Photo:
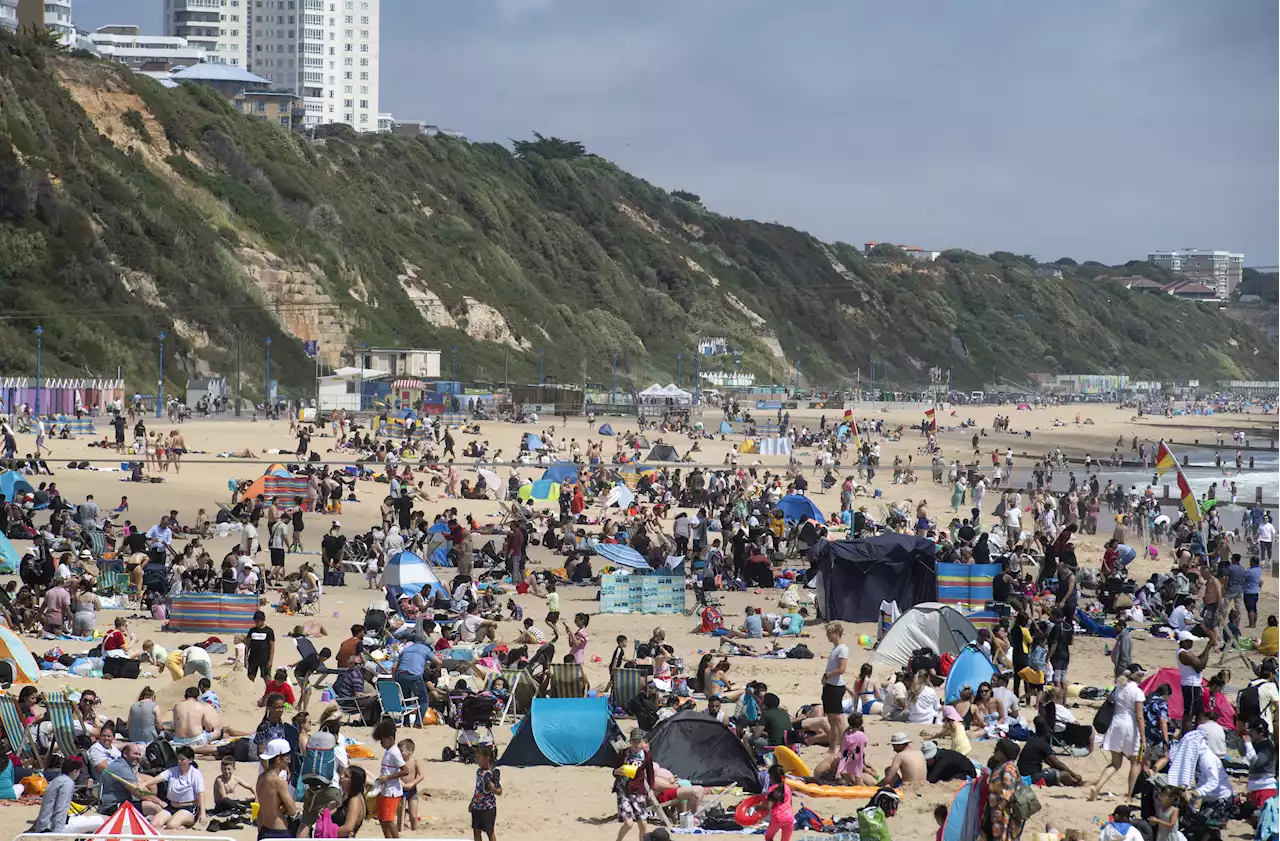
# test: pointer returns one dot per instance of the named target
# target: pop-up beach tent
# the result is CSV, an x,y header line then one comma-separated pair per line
x,y
532,442
797,508
13,484
9,556
695,747
726,428
543,491
408,574
564,731
931,625
22,666
855,576
606,429
663,452
971,669
560,472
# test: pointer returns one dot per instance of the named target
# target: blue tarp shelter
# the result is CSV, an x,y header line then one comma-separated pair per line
x,y
13,483
564,731
798,508
622,556
560,472
606,429
970,669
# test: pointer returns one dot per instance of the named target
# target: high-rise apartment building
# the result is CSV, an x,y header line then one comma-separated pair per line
x,y
1219,270
54,15
126,44
219,27
325,51
9,15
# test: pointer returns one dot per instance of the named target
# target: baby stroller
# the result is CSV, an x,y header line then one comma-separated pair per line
x,y
473,716
375,625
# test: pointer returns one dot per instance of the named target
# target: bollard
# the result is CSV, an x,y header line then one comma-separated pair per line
x,y
1257,495
1186,461
1166,491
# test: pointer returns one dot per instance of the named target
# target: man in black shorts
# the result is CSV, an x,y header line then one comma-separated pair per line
x,y
120,424
260,652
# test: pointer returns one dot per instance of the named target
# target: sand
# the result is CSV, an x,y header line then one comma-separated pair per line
x,y
546,803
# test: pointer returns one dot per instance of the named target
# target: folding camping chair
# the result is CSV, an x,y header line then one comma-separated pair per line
x,y
516,679
566,680
627,684
15,731
395,704
95,540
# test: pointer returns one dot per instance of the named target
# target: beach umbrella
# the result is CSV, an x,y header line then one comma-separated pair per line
x,y
127,821
621,555
25,669
493,481
798,507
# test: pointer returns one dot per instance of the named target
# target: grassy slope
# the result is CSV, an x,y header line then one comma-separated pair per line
x,y
598,259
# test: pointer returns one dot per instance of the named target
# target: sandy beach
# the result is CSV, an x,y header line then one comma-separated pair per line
x,y
541,804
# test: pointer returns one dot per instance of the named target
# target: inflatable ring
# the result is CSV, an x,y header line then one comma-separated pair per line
x,y
790,762
752,810
847,792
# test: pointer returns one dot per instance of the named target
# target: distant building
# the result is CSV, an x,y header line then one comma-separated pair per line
x,y
225,79
127,45
915,252
1182,288
1219,270
1049,271
713,345
730,379
418,128
9,15
331,60
54,15
385,121
403,362
218,27
277,107
206,387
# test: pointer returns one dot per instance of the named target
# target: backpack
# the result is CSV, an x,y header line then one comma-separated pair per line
x,y
1024,803
800,651
1249,702
923,659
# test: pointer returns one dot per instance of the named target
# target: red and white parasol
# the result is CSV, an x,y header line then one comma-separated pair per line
x,y
127,820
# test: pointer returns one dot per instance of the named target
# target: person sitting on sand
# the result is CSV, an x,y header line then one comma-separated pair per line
x,y
908,765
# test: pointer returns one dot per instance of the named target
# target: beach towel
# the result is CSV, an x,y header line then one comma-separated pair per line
x,y
1184,758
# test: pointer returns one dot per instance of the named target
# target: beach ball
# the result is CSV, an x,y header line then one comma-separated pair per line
x,y
864,639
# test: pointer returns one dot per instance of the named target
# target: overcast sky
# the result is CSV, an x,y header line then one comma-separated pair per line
x,y
1089,129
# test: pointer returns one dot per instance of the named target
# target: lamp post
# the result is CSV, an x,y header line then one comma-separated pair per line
x,y
613,387
160,381
697,378
39,348
542,354
680,369
360,396
454,363
266,394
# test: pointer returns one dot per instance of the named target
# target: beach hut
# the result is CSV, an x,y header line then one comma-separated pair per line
x,y
408,574
564,731
15,653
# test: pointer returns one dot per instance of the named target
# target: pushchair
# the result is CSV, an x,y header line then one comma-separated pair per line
x,y
375,625
473,716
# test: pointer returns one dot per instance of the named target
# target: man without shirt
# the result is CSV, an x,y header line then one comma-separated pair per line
x,y
908,765
275,800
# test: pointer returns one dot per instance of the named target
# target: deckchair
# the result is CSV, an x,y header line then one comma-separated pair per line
x,y
62,717
15,731
395,704
566,680
515,679
627,684
112,579
95,540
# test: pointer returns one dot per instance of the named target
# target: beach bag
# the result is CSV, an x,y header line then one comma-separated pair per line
x,y
1024,802
121,667
1102,719
325,827
800,651
873,825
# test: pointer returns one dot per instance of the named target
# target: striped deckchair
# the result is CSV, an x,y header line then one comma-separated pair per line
x,y
627,684
95,540
14,729
62,716
515,679
112,580
566,681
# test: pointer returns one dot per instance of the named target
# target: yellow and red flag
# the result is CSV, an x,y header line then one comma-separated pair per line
x,y
848,414
1164,459
1188,499
933,423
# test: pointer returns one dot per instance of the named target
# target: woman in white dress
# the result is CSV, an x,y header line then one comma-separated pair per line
x,y
1125,737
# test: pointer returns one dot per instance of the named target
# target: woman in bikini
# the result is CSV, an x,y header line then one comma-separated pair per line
x,y
866,693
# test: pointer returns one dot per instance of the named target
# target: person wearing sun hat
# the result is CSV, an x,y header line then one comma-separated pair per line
x,y
908,765
275,799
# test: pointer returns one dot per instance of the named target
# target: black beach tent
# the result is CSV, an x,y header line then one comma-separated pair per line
x,y
855,576
696,747
663,452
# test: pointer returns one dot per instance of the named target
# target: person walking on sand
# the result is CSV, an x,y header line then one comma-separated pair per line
x,y
177,448
833,688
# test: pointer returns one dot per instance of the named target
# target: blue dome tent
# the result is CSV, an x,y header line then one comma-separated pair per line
x,y
407,573
971,668
13,484
560,472
564,731
797,508
606,429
